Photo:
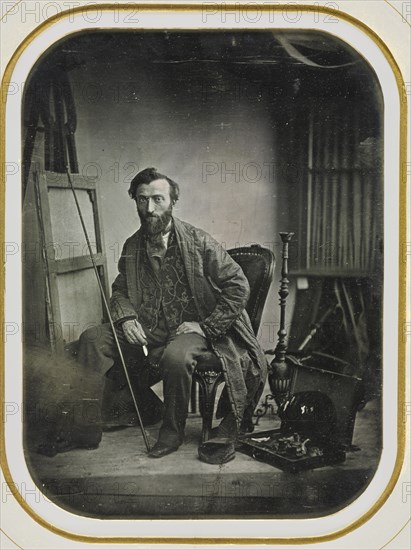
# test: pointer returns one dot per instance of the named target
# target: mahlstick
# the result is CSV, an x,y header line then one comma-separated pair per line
x,y
93,261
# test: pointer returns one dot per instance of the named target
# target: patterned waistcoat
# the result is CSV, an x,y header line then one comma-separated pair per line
x,y
165,291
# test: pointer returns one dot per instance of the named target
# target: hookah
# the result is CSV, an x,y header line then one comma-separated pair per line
x,y
280,374
280,371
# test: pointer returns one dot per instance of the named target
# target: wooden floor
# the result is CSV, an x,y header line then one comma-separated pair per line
x,y
119,480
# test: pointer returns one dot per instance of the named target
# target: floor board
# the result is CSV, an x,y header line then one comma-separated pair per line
x,y
119,480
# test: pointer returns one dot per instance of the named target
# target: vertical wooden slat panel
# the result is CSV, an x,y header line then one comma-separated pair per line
x,y
350,182
310,204
324,188
356,214
334,214
317,192
343,203
344,227
303,178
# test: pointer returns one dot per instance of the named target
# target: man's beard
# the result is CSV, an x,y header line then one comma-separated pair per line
x,y
154,224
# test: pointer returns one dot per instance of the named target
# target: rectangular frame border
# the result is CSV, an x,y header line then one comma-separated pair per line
x,y
401,390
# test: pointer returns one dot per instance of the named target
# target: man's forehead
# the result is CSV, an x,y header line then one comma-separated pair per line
x,y
156,186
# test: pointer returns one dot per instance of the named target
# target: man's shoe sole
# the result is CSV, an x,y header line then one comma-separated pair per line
x,y
217,451
52,449
161,452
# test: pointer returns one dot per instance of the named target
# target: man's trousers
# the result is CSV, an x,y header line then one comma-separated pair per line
x,y
172,360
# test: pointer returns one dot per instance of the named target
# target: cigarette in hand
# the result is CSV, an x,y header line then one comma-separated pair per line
x,y
145,350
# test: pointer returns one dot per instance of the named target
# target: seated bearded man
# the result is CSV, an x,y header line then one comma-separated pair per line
x,y
180,294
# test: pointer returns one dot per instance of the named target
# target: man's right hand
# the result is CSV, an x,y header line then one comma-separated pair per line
x,y
134,332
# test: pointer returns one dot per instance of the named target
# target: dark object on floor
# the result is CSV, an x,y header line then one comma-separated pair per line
x,y
160,449
50,449
317,421
310,414
67,434
217,451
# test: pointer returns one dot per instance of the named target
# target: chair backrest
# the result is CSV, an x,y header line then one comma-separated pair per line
x,y
257,264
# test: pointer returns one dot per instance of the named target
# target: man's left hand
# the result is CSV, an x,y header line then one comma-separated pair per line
x,y
190,327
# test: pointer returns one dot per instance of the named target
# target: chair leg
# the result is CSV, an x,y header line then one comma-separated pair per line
x,y
208,382
193,398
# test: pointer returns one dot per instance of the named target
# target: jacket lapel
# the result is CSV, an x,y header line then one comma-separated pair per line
x,y
133,267
186,244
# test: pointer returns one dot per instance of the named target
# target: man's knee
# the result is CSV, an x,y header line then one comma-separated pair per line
x,y
91,336
177,358
96,349
97,338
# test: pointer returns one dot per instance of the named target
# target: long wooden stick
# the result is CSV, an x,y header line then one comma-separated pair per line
x,y
108,311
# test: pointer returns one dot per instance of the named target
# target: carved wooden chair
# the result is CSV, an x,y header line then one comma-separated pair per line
x,y
257,264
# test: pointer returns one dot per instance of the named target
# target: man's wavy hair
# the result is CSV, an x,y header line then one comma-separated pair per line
x,y
147,176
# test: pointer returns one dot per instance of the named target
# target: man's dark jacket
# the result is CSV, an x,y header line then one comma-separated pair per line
x,y
220,290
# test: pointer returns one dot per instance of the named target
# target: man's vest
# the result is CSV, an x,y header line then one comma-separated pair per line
x,y
165,290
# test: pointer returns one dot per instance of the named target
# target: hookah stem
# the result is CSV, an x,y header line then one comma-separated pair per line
x,y
283,293
108,312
